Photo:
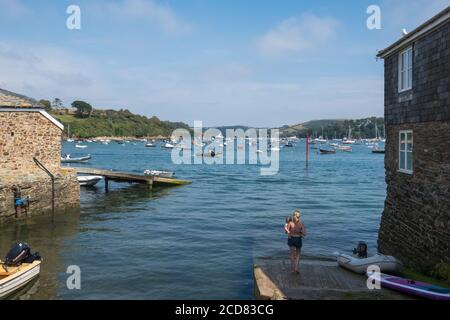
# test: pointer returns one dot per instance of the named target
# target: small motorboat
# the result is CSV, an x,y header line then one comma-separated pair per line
x,y
19,268
150,145
412,287
378,150
68,159
159,173
358,265
345,148
89,181
168,146
289,144
80,146
327,151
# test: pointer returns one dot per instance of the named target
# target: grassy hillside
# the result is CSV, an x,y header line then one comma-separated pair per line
x,y
361,128
112,123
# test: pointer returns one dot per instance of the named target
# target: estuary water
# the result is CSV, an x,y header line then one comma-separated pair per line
x,y
199,241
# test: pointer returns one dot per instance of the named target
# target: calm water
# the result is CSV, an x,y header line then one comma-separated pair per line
x,y
199,241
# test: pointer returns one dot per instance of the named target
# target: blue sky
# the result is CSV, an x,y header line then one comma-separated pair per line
x,y
261,63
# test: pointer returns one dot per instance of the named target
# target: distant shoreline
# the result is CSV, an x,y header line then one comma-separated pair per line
x,y
103,138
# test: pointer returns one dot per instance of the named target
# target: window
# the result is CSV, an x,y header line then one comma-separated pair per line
x,y
405,163
405,63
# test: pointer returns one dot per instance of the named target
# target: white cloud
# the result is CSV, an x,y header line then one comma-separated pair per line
x,y
297,34
47,72
160,14
13,9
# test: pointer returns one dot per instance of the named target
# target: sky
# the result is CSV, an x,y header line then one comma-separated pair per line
x,y
224,62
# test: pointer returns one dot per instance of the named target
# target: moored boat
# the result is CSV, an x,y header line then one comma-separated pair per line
x,y
150,145
68,159
168,146
89,181
358,265
378,150
19,268
80,146
412,287
327,151
159,173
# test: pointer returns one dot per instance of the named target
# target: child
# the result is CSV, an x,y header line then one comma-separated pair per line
x,y
286,226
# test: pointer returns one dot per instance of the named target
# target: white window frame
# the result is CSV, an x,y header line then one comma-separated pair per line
x,y
407,71
400,169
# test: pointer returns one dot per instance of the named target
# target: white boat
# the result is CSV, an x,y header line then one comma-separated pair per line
x,y
15,278
168,146
89,181
150,145
345,148
385,263
68,159
80,146
159,173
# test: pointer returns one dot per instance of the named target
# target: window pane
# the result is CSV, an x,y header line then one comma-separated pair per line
x,y
409,58
402,141
409,161
409,77
409,142
402,160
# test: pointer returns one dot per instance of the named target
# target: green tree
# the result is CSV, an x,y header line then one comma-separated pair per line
x,y
84,109
57,104
46,103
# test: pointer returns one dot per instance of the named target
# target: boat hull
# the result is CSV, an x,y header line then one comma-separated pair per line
x,y
89,181
385,263
14,282
412,287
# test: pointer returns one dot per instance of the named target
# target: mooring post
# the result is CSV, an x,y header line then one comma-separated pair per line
x,y
150,184
106,184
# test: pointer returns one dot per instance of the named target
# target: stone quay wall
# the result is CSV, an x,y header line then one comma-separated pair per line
x,y
24,135
415,225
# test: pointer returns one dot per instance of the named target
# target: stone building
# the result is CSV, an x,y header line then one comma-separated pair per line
x,y
27,131
415,225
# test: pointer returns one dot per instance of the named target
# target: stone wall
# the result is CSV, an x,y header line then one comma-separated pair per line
x,y
24,135
415,225
429,99
38,189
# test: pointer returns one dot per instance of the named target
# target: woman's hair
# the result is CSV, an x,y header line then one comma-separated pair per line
x,y
296,216
288,219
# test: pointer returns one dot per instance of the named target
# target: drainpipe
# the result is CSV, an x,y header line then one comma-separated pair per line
x,y
52,177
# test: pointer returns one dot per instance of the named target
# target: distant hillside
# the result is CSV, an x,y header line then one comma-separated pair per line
x,y
337,128
113,123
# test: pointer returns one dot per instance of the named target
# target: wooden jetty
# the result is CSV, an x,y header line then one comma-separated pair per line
x,y
150,181
320,279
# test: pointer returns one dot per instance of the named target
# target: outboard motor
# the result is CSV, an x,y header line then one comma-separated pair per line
x,y
20,253
361,249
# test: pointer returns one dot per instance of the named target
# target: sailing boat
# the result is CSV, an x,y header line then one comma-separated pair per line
x,y
68,134
349,139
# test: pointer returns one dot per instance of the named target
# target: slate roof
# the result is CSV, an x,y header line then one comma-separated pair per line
x,y
10,99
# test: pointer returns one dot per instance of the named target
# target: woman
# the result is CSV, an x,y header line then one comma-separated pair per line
x,y
296,232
